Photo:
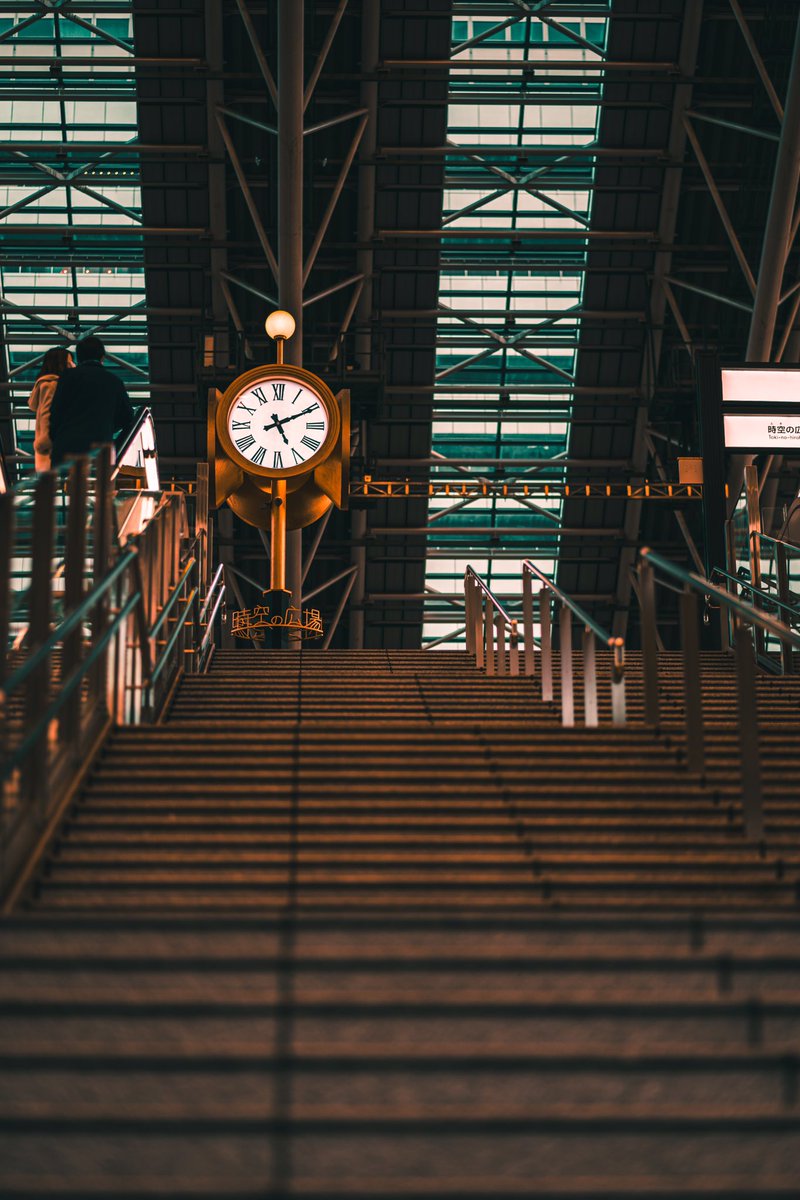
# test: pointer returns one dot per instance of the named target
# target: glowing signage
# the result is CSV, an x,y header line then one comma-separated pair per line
x,y
761,408
756,432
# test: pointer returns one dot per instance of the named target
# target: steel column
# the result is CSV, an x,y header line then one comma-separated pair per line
x,y
291,15
673,176
774,249
370,39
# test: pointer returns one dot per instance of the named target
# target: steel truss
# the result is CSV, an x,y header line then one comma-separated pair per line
x,y
70,217
738,291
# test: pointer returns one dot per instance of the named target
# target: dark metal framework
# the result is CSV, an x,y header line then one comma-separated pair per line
x,y
511,225
70,214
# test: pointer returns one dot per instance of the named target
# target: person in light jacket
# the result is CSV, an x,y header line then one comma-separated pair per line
x,y
54,364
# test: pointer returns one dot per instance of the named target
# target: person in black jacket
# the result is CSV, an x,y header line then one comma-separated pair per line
x,y
90,404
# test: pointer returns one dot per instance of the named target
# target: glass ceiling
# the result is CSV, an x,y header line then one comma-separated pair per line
x,y
511,282
70,209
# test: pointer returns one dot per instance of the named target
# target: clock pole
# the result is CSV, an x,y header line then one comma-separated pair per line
x,y
280,326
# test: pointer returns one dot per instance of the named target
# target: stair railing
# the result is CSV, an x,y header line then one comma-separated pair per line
x,y
489,628
592,634
761,599
746,620
109,648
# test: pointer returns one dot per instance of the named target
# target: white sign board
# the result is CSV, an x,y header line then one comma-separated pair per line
x,y
761,408
760,386
754,432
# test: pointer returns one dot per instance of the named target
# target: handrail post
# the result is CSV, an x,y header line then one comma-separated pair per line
x,y
7,523
488,637
618,708
74,556
724,615
468,607
752,794
500,627
692,682
513,649
547,645
527,622
478,629
753,495
101,526
647,602
589,680
565,655
782,569
36,772
201,527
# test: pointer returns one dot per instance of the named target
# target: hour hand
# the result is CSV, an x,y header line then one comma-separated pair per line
x,y
279,426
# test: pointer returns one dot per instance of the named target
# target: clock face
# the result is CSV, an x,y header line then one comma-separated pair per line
x,y
278,424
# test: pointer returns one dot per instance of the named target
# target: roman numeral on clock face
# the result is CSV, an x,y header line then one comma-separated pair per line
x,y
298,458
310,442
277,460
240,425
245,443
258,457
315,424
277,391
259,395
244,408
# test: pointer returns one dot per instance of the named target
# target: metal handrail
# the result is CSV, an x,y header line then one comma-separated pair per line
x,y
745,618
215,582
71,622
470,573
746,585
740,608
584,618
482,627
124,440
143,606
592,632
791,546
487,624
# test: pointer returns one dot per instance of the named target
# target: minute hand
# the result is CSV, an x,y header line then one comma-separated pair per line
x,y
294,416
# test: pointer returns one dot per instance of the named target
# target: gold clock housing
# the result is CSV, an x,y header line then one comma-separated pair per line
x,y
265,375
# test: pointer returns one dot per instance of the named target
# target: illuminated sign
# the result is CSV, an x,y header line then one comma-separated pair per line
x,y
761,408
761,432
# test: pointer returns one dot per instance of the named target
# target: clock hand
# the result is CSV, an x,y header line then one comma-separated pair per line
x,y
278,424
293,416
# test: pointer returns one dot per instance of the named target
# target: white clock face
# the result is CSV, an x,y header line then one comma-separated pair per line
x,y
278,424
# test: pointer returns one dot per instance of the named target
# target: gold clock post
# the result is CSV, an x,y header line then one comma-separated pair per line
x,y
279,467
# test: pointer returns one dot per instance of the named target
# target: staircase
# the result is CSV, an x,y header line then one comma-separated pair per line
x,y
370,924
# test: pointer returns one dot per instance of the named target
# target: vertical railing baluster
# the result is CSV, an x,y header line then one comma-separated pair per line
x,y
101,536
749,741
647,601
547,645
589,679
36,769
619,715
500,630
513,649
469,629
565,657
488,636
527,621
478,630
692,682
74,563
7,523
782,571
